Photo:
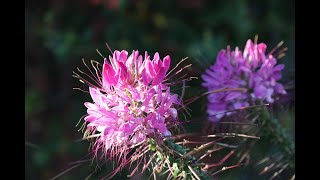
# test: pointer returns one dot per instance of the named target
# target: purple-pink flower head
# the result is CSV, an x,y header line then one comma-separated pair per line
x,y
125,71
131,102
252,69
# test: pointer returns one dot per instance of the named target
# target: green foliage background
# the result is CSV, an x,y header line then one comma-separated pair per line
x,y
60,33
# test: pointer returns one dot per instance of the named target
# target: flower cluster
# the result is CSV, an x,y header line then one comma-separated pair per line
x,y
252,69
132,101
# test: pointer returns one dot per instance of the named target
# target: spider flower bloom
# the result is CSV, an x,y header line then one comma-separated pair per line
x,y
252,69
131,102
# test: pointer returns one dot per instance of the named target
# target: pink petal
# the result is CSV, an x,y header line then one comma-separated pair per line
x,y
166,62
116,55
159,77
123,56
279,67
90,105
95,95
262,47
112,62
124,74
157,64
139,66
173,112
146,56
150,69
130,61
146,77
108,74
156,56
148,98
90,118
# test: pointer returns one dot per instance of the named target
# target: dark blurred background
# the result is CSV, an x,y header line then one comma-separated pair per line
x,y
60,33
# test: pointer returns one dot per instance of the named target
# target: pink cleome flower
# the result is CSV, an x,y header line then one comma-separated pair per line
x,y
131,103
252,69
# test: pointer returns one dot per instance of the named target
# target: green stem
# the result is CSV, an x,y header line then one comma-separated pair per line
x,y
184,162
273,131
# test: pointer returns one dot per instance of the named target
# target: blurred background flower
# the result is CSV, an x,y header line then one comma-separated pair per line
x,y
253,70
60,33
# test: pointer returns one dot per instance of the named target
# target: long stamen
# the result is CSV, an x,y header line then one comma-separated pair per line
x,y
95,78
177,65
109,48
276,47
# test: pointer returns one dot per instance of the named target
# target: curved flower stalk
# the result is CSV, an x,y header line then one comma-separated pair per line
x,y
252,69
